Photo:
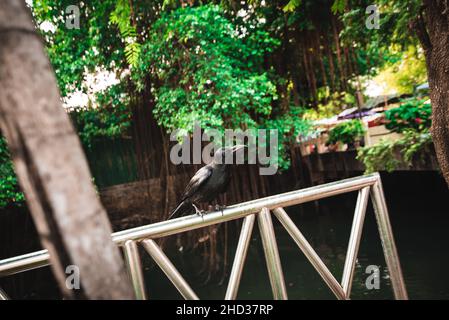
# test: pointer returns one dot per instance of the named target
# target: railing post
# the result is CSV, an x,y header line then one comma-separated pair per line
x,y
240,257
134,266
3,295
387,239
272,255
169,269
309,252
354,240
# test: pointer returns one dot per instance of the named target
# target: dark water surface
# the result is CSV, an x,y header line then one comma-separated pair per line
x,y
419,212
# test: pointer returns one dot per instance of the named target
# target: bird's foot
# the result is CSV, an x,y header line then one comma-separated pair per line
x,y
201,213
220,208
198,211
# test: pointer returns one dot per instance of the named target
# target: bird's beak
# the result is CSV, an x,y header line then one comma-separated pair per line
x,y
237,147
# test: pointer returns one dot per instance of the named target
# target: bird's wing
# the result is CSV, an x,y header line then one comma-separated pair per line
x,y
198,180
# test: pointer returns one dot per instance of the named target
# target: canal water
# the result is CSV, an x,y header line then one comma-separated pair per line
x,y
419,208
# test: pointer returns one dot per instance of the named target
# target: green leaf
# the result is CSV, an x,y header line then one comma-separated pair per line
x,y
338,6
292,5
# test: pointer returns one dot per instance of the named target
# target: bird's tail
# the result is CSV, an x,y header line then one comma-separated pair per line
x,y
180,208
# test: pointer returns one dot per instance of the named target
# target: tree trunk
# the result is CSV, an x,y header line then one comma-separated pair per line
x,y
330,60
320,58
51,166
432,28
342,80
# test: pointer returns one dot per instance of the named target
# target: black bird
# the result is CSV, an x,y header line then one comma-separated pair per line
x,y
207,183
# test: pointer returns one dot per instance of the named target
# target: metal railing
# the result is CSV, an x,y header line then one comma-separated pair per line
x,y
129,240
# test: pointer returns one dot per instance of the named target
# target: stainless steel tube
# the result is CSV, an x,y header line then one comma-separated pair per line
x,y
240,257
387,239
24,262
3,295
354,241
309,252
194,221
272,255
134,265
169,269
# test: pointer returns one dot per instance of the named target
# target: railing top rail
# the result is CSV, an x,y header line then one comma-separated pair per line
x,y
191,222
165,228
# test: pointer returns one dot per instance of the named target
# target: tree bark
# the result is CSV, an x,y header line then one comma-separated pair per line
x,y
51,166
320,58
432,29
330,60
342,80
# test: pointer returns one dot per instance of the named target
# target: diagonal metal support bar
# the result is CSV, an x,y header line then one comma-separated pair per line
x,y
3,295
240,257
354,240
308,251
272,255
169,269
387,239
134,266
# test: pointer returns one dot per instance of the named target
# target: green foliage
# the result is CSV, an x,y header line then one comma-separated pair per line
x,y
403,75
211,64
412,114
206,71
75,52
292,5
333,104
394,16
346,132
10,193
121,16
386,47
209,73
290,126
339,6
388,154
201,64
379,156
112,120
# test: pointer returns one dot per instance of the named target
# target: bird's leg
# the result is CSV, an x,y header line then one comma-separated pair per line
x,y
220,208
198,211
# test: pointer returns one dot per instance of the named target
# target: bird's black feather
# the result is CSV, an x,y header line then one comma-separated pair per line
x,y
207,183
198,181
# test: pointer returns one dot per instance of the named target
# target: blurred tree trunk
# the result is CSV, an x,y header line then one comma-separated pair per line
x,y
432,28
51,166
342,80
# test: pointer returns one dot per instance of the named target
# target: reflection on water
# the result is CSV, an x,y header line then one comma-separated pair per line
x,y
420,223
